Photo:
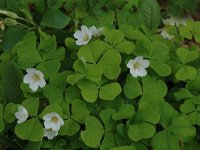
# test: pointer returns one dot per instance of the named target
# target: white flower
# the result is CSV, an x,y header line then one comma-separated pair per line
x,y
83,36
34,78
137,66
53,121
166,35
96,32
172,21
50,134
21,114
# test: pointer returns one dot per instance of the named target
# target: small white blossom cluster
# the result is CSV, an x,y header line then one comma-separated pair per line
x,y
84,35
52,121
172,21
52,124
34,78
138,66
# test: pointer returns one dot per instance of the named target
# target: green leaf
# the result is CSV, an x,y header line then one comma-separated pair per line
x,y
28,56
106,117
58,79
125,47
9,115
160,68
73,78
1,118
49,68
125,112
193,85
186,56
30,130
186,73
11,79
11,37
54,18
53,93
111,69
33,145
123,148
150,13
183,93
72,93
196,31
182,126
132,88
89,90
113,36
106,94
69,128
141,131
166,111
94,72
108,141
32,105
147,113
93,133
47,43
154,87
79,111
58,54
164,140
191,107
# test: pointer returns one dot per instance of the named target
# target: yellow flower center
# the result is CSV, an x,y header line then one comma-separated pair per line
x,y
36,77
85,37
54,119
136,65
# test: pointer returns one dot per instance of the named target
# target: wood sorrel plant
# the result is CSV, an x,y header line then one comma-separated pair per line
x,y
93,74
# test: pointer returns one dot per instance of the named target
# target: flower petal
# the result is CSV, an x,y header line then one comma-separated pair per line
x,y
145,64
78,34
48,124
142,72
56,126
31,71
84,28
138,59
33,86
130,64
42,83
134,72
27,78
